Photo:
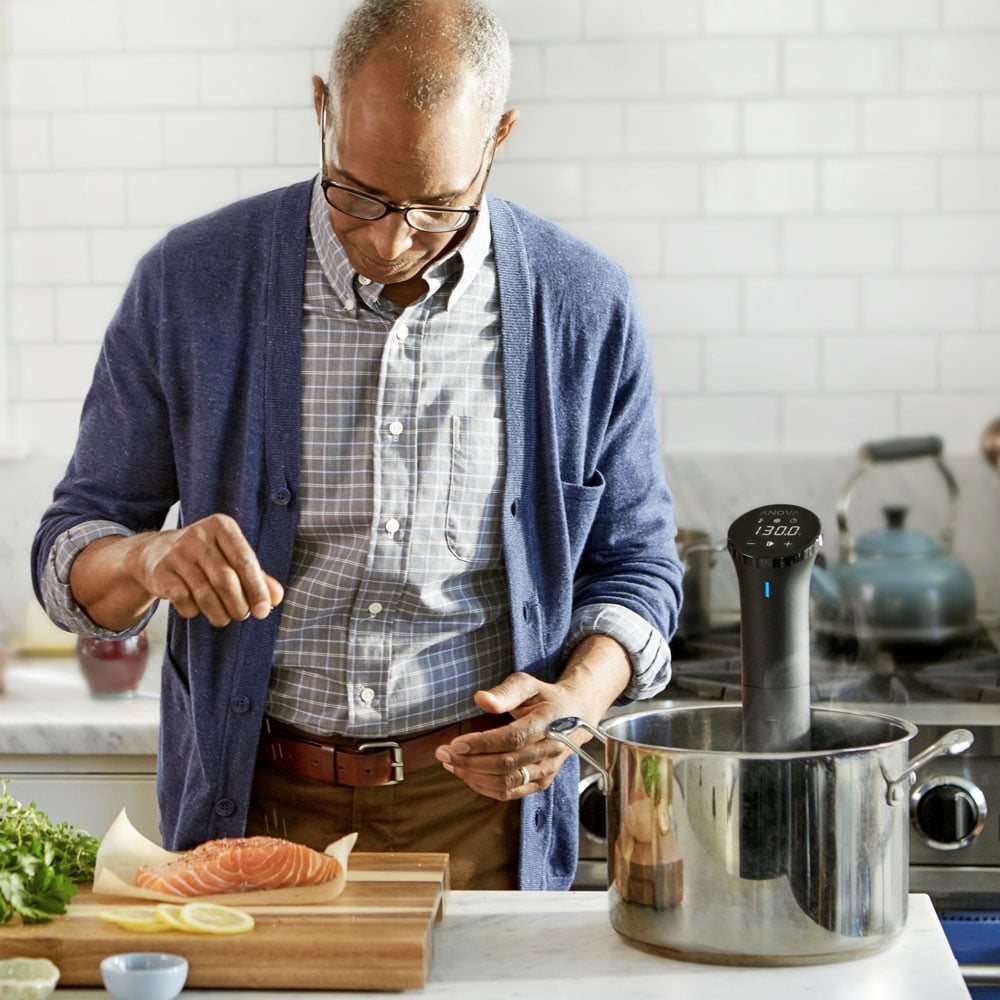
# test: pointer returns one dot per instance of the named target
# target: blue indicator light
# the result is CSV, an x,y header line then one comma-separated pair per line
x,y
767,588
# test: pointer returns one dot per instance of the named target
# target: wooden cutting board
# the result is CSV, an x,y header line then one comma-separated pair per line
x,y
377,935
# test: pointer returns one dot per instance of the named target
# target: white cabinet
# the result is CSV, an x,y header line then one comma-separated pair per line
x,y
88,791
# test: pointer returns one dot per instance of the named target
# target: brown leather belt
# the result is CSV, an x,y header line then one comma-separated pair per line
x,y
366,764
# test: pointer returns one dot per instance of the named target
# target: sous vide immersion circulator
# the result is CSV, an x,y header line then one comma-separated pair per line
x,y
773,549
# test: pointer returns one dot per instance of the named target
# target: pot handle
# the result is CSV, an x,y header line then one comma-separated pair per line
x,y
561,729
953,742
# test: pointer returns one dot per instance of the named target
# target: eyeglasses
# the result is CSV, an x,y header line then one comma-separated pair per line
x,y
358,205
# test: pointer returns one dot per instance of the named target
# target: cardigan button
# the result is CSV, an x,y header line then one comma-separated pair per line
x,y
281,496
225,807
240,704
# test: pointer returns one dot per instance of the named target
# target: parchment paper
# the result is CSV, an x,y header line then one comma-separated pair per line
x,y
124,851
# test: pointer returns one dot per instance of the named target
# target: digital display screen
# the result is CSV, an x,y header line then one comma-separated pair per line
x,y
779,532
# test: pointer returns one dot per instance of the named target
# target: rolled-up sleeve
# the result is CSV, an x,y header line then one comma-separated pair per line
x,y
56,594
648,651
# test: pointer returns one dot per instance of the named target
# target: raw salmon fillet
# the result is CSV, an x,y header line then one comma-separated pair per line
x,y
237,864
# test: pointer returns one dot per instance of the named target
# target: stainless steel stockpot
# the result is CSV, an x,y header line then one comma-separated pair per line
x,y
718,855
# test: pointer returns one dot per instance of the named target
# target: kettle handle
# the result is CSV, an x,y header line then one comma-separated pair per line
x,y
897,450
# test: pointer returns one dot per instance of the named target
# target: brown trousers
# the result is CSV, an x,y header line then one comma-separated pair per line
x,y
431,810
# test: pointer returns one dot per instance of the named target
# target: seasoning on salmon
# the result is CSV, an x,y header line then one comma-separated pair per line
x,y
238,864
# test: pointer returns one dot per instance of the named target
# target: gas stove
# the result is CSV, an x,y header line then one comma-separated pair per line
x,y
954,802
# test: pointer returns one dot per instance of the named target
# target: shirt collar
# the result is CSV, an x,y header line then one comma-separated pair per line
x,y
465,260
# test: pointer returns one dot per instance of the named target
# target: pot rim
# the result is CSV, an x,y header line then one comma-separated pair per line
x,y
909,730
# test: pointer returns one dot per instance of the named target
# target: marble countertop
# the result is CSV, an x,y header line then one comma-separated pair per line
x,y
46,708
526,945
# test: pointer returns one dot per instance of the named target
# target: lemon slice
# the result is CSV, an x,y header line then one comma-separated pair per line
x,y
170,914
211,918
27,978
136,918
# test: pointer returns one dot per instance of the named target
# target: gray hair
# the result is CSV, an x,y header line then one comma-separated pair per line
x,y
467,29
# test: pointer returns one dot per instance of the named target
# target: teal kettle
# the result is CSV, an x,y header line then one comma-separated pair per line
x,y
894,586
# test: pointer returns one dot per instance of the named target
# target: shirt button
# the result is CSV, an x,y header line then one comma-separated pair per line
x,y
402,333
349,304
362,280
392,526
367,695
396,428
374,608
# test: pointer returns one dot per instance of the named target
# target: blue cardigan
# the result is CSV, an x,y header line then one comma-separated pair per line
x,y
195,400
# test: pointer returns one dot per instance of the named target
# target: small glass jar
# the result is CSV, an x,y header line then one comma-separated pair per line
x,y
113,667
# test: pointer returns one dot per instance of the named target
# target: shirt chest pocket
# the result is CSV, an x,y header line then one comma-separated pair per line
x,y
475,491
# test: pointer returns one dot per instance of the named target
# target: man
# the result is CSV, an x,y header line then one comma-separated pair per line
x,y
422,508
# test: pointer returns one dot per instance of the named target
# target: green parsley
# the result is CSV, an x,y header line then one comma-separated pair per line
x,y
40,861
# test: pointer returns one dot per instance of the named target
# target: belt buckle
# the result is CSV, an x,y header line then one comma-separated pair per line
x,y
396,763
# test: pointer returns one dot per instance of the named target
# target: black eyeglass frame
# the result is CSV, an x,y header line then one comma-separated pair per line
x,y
464,214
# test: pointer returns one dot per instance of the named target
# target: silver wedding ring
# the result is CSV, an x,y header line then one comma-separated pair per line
x,y
525,777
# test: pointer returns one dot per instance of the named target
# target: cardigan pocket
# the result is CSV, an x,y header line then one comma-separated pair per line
x,y
472,514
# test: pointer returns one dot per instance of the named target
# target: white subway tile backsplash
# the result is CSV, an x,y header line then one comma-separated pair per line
x,y
721,424
951,62
252,79
169,197
971,13
873,185
640,18
721,66
881,15
604,70
130,81
834,423
762,17
761,187
922,303
47,257
111,139
920,124
762,364
970,183
30,315
292,23
800,305
553,20
877,363
44,83
689,306
49,26
657,188
555,190
27,142
675,128
952,243
724,246
219,138
79,198
970,362
582,130
54,372
809,180
852,246
855,65
800,127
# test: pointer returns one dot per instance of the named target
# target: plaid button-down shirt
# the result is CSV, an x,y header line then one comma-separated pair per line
x,y
395,611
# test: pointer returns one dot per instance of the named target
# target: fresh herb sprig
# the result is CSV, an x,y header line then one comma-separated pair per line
x,y
40,861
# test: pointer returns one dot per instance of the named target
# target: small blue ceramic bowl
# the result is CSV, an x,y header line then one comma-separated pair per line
x,y
144,975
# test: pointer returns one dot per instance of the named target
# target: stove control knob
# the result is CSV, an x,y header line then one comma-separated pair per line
x,y
948,812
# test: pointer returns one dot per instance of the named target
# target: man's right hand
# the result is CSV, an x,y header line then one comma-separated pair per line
x,y
207,567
